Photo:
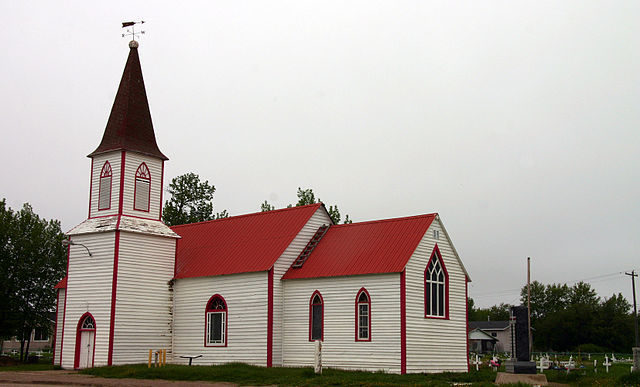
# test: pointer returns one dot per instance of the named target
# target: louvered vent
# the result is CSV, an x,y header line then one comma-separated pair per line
x,y
310,246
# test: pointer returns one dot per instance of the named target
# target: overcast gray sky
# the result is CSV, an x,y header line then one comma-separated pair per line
x,y
517,121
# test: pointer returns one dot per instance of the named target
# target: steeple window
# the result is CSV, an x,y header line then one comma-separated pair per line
x,y
142,191
104,192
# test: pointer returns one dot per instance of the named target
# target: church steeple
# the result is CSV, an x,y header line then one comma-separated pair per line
x,y
129,126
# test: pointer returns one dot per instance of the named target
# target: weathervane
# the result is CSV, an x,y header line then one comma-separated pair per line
x,y
132,32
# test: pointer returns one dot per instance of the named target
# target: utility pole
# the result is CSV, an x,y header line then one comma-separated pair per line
x,y
635,309
529,304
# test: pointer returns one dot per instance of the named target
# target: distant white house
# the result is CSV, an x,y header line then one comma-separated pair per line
x,y
490,336
258,288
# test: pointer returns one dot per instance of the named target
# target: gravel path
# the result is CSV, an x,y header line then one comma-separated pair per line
x,y
73,378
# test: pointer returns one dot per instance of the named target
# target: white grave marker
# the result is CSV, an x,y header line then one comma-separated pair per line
x,y
606,363
477,362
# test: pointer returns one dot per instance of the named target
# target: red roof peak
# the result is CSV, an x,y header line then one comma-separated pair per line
x,y
238,244
401,219
234,218
129,126
62,284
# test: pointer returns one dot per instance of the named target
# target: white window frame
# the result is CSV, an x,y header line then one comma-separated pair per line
x,y
223,326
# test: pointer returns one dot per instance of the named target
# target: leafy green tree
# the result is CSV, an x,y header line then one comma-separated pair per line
x,y
191,201
264,207
494,313
305,197
33,260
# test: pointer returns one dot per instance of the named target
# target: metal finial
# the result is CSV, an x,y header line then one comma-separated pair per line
x,y
132,32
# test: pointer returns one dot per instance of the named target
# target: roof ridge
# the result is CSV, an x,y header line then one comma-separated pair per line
x,y
386,220
249,214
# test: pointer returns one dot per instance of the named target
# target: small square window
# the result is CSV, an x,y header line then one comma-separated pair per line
x,y
436,234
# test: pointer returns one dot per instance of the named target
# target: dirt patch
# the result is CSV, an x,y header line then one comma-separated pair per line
x,y
6,361
72,378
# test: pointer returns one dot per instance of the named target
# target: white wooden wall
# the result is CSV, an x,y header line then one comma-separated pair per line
x,y
89,290
246,297
283,263
340,349
59,316
132,162
142,321
114,158
435,345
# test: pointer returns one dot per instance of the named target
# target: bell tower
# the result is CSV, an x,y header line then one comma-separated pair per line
x,y
127,167
117,303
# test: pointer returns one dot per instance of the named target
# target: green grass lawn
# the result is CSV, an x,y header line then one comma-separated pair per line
x,y
28,367
618,375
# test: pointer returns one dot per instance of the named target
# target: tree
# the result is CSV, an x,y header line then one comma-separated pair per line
x,y
264,207
191,201
33,260
305,197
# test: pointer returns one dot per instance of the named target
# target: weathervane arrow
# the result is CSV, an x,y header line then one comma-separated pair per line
x,y
132,32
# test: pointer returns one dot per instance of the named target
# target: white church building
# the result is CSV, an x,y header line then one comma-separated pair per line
x,y
258,288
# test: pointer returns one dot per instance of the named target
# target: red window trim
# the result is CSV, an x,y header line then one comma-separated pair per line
x,y
311,304
135,188
226,319
76,360
436,254
105,173
362,290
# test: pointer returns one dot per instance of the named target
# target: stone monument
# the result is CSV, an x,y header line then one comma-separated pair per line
x,y
520,362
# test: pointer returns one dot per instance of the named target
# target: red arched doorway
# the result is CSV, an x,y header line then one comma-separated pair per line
x,y
85,342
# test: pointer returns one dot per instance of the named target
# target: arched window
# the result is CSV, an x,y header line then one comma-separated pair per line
x,y
436,287
88,323
104,193
316,317
363,316
142,191
216,325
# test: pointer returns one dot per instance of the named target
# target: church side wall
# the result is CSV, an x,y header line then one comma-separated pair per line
x,y
283,263
142,320
435,345
132,162
59,316
89,290
340,349
246,298
114,158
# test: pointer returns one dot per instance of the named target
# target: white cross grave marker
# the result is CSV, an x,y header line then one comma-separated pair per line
x,y
544,364
477,362
606,363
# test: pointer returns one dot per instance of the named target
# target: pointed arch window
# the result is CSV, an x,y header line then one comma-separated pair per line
x,y
104,192
363,316
142,192
436,287
216,322
316,317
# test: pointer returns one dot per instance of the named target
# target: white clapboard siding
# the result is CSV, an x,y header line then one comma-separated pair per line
x,y
132,162
340,350
283,263
114,158
246,298
89,290
59,316
142,319
435,345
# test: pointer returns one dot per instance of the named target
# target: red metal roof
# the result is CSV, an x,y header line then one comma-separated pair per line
x,y
238,244
62,284
382,246
129,126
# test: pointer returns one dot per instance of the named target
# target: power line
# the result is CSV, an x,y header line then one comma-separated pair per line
x,y
507,292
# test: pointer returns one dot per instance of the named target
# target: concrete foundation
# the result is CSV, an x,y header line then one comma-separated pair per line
x,y
534,380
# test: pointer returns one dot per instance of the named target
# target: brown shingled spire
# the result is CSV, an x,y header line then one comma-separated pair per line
x,y
129,126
